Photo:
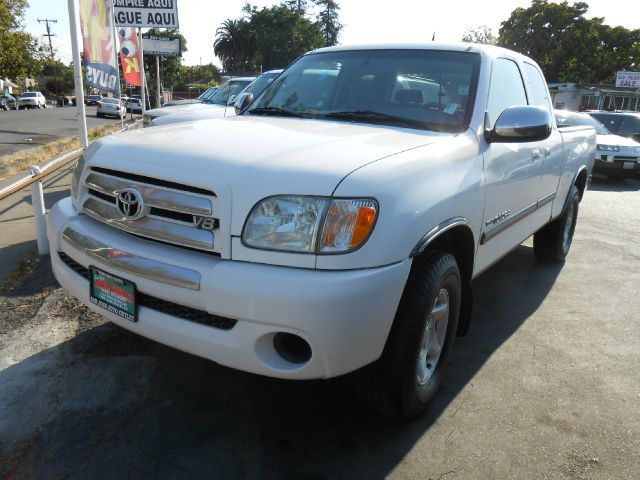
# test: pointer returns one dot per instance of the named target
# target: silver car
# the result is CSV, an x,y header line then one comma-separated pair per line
x,y
110,107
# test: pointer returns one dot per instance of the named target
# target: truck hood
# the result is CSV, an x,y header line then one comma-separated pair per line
x,y
617,140
213,111
244,159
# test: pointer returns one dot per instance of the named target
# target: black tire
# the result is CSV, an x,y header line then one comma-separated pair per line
x,y
552,242
391,385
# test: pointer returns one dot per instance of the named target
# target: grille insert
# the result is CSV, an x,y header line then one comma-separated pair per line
x,y
164,306
153,181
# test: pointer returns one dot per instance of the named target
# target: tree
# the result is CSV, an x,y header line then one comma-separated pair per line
x,y
481,34
270,37
567,46
328,21
21,55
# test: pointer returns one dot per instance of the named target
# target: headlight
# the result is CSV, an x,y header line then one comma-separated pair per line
x,y
608,148
310,224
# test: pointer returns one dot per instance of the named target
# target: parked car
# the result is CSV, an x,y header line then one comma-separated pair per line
x,y
134,105
221,98
625,124
110,107
8,101
616,156
210,108
336,224
92,99
32,100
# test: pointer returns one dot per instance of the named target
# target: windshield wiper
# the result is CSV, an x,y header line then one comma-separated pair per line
x,y
276,111
379,117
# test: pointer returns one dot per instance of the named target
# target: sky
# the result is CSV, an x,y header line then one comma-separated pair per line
x,y
365,21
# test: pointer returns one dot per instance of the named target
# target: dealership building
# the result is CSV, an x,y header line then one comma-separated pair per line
x,y
589,96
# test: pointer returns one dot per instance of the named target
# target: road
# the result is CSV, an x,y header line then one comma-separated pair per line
x,y
545,386
28,128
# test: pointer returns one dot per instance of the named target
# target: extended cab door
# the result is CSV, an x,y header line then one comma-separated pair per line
x,y
512,173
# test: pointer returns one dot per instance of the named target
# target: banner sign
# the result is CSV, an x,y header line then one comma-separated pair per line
x,y
163,46
96,24
130,55
628,79
146,13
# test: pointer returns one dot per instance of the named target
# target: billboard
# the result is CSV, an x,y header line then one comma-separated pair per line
x,y
96,25
163,46
628,79
146,13
130,55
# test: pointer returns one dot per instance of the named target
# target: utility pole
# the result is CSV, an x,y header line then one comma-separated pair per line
x,y
47,21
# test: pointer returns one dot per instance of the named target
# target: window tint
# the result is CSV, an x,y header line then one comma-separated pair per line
x,y
629,126
611,122
506,88
537,87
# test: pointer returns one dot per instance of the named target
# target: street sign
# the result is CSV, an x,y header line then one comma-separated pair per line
x,y
146,13
628,79
163,46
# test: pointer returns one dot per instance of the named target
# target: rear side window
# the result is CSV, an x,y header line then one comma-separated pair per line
x,y
506,88
629,126
537,87
611,122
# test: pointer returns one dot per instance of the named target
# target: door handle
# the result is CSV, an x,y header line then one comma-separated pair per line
x,y
536,155
547,152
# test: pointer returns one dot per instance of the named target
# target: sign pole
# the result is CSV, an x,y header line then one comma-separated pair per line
x,y
144,77
158,76
116,52
77,74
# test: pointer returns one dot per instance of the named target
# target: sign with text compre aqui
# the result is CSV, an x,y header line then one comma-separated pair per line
x,y
628,79
163,46
146,13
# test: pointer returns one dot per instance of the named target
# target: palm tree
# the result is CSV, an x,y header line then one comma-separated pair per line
x,y
234,45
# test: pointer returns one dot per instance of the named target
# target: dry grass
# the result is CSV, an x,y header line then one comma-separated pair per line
x,y
22,160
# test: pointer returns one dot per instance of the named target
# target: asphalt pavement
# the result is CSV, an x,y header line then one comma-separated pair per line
x,y
545,386
22,129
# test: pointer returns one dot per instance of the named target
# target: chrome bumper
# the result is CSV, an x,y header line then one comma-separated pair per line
x,y
130,263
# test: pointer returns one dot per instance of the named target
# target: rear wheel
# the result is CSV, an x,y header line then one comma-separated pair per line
x,y
552,242
404,380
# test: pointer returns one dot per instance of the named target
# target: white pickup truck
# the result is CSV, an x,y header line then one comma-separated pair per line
x,y
336,223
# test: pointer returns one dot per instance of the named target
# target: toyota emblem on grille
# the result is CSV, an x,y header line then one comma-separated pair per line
x,y
129,202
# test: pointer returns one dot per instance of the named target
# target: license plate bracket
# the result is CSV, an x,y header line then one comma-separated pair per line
x,y
628,165
114,294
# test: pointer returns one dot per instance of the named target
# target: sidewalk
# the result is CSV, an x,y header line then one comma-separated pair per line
x,y
17,229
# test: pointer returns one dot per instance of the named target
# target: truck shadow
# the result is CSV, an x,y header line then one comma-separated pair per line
x,y
110,401
602,184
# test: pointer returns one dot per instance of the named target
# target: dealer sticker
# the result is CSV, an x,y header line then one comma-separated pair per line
x,y
114,294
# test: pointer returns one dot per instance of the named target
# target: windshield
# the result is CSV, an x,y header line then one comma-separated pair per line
x,y
259,84
207,93
222,95
30,94
568,119
425,89
109,100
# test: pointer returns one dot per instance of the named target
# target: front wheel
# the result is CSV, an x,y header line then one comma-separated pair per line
x,y
404,380
552,242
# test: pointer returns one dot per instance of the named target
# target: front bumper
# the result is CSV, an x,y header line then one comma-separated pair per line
x,y
615,166
345,316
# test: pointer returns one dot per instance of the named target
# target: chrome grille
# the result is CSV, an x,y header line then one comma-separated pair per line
x,y
172,212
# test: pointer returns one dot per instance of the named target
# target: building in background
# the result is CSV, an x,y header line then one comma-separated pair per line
x,y
589,96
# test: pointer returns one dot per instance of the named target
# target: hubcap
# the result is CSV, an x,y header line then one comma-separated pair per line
x,y
432,341
568,229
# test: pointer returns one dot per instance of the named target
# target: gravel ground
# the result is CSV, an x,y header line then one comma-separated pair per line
x,y
546,385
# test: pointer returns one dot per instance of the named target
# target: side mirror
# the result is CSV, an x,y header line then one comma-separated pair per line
x,y
242,102
520,124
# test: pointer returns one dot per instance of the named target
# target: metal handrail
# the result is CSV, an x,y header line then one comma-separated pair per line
x,y
37,174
